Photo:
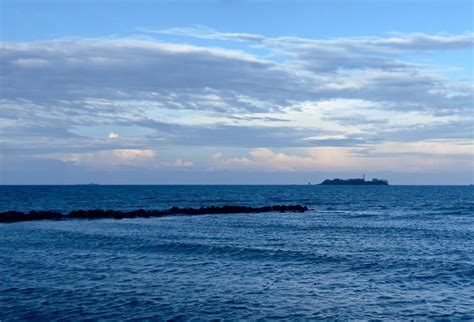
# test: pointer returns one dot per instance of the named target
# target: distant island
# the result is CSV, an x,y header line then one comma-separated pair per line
x,y
354,182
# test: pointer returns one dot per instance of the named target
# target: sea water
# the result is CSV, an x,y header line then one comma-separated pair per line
x,y
366,252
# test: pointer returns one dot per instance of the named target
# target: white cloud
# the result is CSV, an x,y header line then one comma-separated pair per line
x,y
110,158
389,156
205,33
30,62
113,136
182,164
113,159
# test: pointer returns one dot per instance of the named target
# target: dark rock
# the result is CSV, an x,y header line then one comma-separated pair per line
x,y
15,216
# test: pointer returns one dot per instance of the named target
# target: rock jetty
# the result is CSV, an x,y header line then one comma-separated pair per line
x,y
16,216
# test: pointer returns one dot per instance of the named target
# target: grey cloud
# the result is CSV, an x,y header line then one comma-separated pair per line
x,y
41,145
50,87
222,135
36,131
419,41
327,61
355,119
121,69
463,129
258,118
349,142
409,91
403,42
325,55
25,141
103,75
410,41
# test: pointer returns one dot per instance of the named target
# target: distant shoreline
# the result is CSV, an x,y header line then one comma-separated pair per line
x,y
214,184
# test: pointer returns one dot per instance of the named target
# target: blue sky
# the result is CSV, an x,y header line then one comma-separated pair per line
x,y
33,19
236,91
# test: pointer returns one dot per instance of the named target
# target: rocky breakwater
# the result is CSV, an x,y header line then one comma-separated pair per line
x,y
17,216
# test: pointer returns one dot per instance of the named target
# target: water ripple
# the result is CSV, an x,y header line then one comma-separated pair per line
x,y
402,253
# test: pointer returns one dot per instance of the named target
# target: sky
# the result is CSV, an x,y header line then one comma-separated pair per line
x,y
236,92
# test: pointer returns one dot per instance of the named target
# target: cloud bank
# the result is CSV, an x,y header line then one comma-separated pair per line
x,y
342,104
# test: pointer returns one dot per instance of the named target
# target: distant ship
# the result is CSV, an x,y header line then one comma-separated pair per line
x,y
355,182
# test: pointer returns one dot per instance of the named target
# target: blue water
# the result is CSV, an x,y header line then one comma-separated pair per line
x,y
397,252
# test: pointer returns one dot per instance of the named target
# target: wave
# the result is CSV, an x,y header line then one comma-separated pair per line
x,y
239,253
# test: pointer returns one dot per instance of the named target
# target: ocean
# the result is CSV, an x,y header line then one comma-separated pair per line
x,y
365,252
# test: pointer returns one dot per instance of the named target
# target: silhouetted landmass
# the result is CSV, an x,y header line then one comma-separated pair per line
x,y
354,182
16,216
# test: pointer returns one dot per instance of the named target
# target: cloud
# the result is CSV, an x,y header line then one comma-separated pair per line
x,y
336,101
181,164
116,159
112,75
130,69
327,55
30,62
410,41
110,158
420,41
113,136
264,159
430,147
422,157
204,32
